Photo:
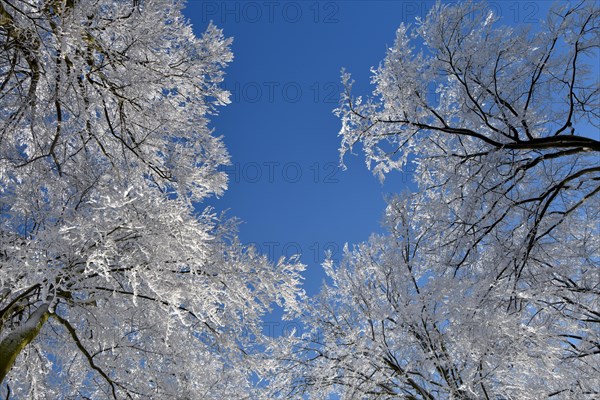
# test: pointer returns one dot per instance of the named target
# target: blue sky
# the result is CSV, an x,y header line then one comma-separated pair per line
x,y
285,182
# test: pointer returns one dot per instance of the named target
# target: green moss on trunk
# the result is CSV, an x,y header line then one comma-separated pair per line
x,y
13,343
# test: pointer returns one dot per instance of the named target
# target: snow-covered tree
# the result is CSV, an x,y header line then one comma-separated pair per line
x,y
114,283
487,285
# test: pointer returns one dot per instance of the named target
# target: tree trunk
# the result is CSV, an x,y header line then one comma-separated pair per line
x,y
13,343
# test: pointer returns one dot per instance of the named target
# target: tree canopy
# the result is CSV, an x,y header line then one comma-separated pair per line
x,y
114,282
487,284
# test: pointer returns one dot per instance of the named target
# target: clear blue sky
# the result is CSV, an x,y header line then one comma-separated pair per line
x,y
285,183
